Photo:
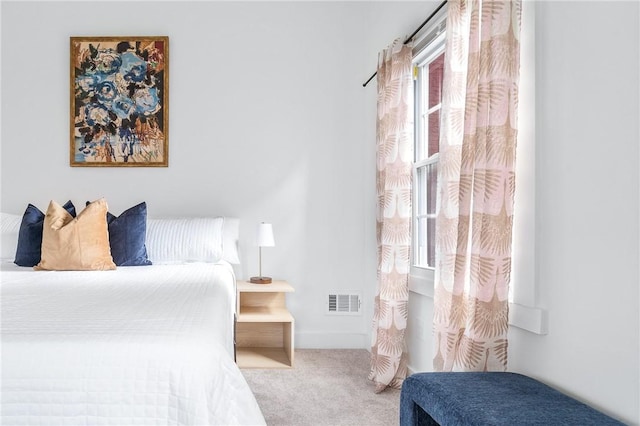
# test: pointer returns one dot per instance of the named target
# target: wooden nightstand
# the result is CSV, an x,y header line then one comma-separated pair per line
x,y
264,331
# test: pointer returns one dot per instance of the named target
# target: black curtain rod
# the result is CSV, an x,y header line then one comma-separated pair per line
x,y
412,35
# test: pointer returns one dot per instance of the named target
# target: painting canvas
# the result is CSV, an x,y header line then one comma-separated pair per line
x,y
119,101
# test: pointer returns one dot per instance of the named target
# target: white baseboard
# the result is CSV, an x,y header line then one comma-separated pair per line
x,y
331,341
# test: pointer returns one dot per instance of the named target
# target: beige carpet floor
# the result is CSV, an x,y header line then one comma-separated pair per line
x,y
326,387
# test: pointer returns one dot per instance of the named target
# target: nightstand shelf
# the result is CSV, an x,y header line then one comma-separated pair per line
x,y
262,358
265,314
265,328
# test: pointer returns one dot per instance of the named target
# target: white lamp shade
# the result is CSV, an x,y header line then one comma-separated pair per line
x,y
265,235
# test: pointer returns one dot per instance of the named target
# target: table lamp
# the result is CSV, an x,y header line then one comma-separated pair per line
x,y
265,239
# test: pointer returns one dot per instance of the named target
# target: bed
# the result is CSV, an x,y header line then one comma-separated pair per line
x,y
138,345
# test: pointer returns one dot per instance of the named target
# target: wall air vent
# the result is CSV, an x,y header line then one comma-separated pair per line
x,y
343,304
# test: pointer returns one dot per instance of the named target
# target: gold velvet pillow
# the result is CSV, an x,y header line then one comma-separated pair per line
x,y
76,244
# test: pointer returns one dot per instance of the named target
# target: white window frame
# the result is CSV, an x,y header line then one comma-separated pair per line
x,y
422,279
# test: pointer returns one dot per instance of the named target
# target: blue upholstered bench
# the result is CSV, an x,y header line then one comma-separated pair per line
x,y
490,399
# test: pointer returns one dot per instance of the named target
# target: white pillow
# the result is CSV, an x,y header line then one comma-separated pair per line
x,y
9,230
184,240
230,237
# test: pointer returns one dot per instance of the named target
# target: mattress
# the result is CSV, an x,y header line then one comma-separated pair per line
x,y
140,345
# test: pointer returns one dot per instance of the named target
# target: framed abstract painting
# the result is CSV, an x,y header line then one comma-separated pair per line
x,y
119,101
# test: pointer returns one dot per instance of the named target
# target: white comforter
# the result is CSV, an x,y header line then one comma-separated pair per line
x,y
148,345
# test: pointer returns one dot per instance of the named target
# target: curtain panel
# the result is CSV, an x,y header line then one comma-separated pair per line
x,y
477,182
394,139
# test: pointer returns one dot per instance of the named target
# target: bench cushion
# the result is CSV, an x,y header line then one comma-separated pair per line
x,y
490,398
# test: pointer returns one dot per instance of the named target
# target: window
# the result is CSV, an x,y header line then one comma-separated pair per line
x,y
428,77
427,147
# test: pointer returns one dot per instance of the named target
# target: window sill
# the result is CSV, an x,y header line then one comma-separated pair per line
x,y
421,281
527,318
533,320
422,288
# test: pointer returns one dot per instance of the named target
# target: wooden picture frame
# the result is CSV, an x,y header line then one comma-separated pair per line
x,y
119,114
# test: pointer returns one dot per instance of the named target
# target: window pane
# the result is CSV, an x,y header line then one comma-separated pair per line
x,y
421,141
426,186
432,188
431,242
436,73
434,132
421,191
418,145
421,242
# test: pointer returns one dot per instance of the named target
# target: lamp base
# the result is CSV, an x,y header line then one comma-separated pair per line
x,y
260,280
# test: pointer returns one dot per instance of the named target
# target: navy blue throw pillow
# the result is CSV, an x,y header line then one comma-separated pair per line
x,y
29,247
127,236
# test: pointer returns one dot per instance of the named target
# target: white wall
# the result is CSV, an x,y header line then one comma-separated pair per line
x,y
587,215
266,124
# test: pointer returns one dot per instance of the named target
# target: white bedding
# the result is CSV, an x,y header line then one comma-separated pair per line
x,y
139,345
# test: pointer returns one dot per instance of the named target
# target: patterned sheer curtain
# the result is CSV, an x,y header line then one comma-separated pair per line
x,y
477,184
394,134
